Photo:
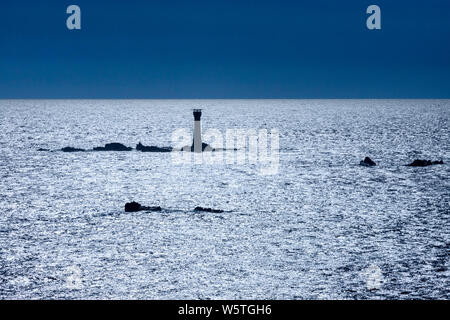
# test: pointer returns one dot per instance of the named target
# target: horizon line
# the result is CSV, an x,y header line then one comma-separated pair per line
x,y
225,98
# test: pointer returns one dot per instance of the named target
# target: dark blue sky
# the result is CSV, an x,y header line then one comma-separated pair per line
x,y
225,49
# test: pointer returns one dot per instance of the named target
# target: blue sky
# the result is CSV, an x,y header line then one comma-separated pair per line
x,y
225,49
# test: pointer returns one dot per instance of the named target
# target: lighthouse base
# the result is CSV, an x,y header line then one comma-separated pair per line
x,y
205,148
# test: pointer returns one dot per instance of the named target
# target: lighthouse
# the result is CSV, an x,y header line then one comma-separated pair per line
x,y
197,143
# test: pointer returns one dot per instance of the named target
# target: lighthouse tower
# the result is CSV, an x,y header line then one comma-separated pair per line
x,y
197,143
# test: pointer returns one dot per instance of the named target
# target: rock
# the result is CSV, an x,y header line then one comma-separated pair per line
x,y
423,163
141,147
134,207
113,147
420,163
208,210
367,162
158,208
43,149
205,148
71,149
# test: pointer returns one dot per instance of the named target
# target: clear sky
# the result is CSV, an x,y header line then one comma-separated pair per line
x,y
225,49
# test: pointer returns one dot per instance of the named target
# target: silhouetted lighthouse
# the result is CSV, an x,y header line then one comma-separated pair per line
x,y
197,130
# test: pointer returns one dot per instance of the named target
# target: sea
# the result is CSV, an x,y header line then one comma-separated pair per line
x,y
320,226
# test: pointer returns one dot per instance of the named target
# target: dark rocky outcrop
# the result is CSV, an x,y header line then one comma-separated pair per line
x,y
367,162
71,149
208,210
113,147
424,163
134,207
141,147
205,148
43,149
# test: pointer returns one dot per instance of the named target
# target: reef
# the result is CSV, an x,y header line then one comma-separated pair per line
x,y
205,148
424,163
208,210
367,162
141,147
135,206
113,147
71,149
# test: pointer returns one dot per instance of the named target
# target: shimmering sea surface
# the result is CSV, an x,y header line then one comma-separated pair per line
x,y
323,227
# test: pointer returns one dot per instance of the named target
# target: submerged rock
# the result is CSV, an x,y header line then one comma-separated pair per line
x,y
367,162
113,147
208,210
141,147
423,163
135,206
71,149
